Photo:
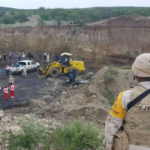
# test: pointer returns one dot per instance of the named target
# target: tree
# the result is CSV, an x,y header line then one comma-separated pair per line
x,y
21,17
7,20
45,15
41,22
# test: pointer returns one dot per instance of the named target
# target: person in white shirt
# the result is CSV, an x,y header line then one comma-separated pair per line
x,y
24,72
135,122
23,56
47,58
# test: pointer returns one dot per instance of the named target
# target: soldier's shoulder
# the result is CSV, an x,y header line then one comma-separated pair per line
x,y
126,92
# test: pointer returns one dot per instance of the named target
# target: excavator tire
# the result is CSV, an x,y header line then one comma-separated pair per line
x,y
74,70
54,72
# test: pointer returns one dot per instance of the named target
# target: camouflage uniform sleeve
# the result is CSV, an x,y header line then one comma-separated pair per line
x,y
111,127
115,119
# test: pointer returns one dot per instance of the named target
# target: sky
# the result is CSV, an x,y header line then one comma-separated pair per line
x,y
33,4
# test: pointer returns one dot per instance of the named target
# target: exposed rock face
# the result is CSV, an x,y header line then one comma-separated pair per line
x,y
117,40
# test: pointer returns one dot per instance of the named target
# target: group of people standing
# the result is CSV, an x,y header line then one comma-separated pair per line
x,y
13,56
22,56
10,88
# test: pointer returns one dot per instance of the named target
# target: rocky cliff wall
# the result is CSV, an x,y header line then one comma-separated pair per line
x,y
117,40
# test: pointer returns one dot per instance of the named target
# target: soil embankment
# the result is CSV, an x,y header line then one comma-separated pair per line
x,y
117,40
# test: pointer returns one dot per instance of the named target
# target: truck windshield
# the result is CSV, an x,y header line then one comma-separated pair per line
x,y
22,63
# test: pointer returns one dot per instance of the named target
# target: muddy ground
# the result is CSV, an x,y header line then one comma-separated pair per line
x,y
32,87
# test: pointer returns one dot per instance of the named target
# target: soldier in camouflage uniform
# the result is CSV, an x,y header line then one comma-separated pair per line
x,y
137,120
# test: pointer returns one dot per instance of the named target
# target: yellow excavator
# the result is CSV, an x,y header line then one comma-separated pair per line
x,y
58,67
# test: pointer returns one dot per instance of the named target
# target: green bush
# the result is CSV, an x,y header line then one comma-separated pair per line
x,y
7,20
110,75
73,136
112,71
109,78
109,95
34,133
41,22
21,17
77,136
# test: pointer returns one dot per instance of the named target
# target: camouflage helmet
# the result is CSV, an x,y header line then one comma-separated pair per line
x,y
141,65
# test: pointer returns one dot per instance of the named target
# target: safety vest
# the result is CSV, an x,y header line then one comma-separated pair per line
x,y
12,87
137,119
5,90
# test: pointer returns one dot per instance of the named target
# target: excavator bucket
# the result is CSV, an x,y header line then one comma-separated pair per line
x,y
41,73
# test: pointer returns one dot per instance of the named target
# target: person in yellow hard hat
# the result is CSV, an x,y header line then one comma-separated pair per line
x,y
128,123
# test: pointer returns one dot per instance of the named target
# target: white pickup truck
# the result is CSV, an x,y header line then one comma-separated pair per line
x,y
29,64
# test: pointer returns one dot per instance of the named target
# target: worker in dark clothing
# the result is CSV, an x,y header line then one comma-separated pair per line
x,y
71,76
40,55
7,70
4,56
65,61
28,55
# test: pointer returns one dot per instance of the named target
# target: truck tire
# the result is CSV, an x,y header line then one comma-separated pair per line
x,y
37,68
22,72
74,70
11,73
54,72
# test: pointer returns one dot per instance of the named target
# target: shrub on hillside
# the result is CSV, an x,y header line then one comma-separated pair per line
x,y
34,133
21,17
77,136
74,136
109,95
109,78
41,22
7,20
110,75
45,15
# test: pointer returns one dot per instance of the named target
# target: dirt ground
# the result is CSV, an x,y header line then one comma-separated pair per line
x,y
31,87
54,98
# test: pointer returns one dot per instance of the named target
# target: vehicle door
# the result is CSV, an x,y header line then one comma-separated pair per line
x,y
33,65
21,64
29,67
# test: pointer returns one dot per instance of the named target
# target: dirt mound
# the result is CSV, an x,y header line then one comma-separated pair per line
x,y
108,83
93,101
133,20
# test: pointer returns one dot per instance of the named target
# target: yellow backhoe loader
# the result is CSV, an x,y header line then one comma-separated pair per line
x,y
56,68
